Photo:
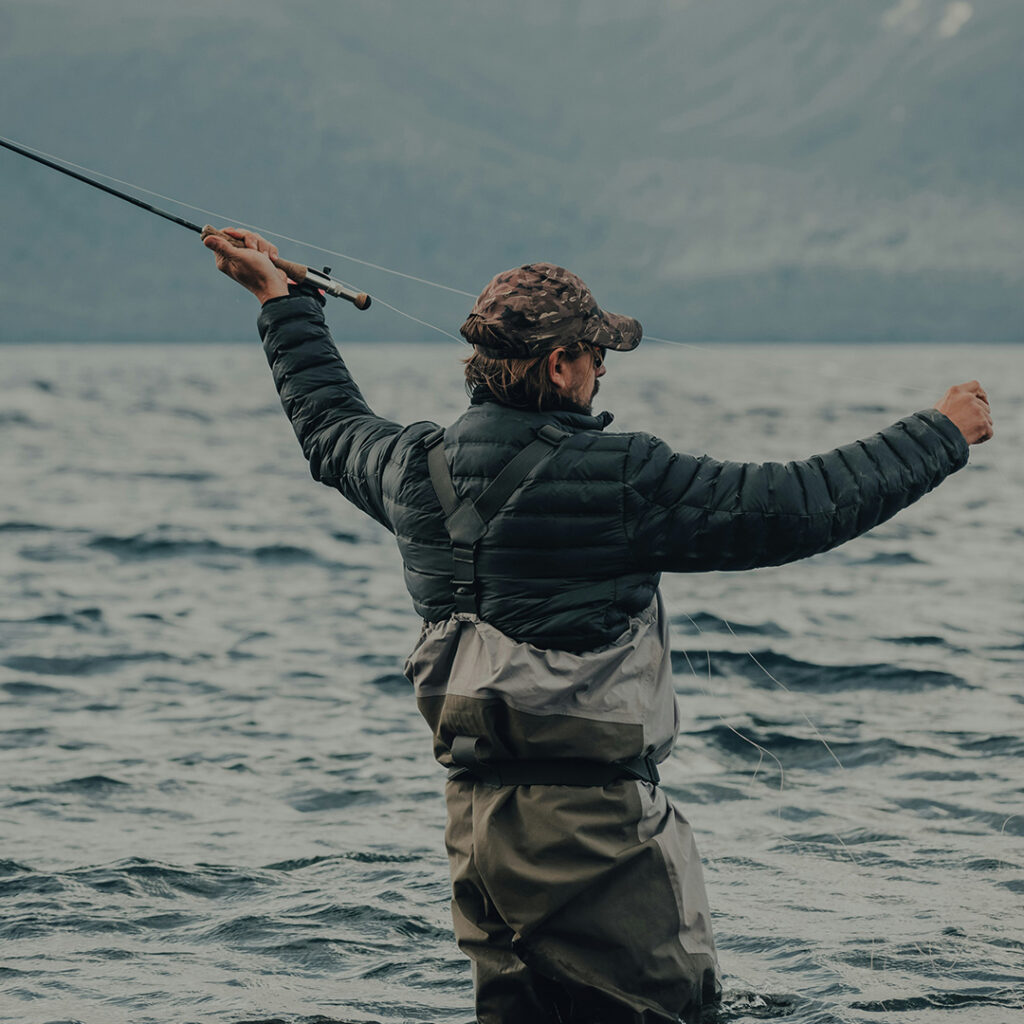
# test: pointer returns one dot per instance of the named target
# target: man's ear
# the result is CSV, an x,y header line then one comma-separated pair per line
x,y
555,367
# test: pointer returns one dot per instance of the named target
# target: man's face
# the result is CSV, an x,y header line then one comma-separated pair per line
x,y
581,379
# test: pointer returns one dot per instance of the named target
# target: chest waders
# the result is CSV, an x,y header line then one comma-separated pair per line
x,y
466,522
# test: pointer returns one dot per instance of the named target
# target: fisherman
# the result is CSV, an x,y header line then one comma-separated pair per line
x,y
533,540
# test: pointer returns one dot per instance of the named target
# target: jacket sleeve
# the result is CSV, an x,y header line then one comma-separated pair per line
x,y
688,514
348,447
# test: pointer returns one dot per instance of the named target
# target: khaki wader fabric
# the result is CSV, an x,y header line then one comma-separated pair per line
x,y
599,889
583,896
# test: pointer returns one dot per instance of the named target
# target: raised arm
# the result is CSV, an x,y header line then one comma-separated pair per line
x,y
347,445
697,514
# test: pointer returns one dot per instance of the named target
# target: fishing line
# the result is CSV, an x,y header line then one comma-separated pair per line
x,y
225,219
763,752
54,162
784,687
296,271
754,358
416,319
345,256
762,749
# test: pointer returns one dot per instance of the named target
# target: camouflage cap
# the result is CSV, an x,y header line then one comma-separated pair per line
x,y
538,307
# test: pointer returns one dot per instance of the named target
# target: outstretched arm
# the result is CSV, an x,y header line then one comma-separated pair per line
x,y
698,514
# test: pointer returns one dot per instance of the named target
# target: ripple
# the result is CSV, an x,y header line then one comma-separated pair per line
x,y
83,665
705,622
392,682
89,784
24,689
14,418
30,883
810,751
31,736
147,546
361,856
941,1001
138,875
755,666
19,526
743,1006
156,552
310,801
888,558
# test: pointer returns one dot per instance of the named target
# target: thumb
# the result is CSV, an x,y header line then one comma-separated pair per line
x,y
218,244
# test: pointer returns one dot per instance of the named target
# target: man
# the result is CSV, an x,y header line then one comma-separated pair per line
x,y
533,543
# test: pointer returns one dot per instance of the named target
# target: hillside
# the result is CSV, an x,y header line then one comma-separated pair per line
x,y
723,169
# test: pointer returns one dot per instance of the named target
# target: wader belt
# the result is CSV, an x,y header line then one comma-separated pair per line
x,y
551,771
466,520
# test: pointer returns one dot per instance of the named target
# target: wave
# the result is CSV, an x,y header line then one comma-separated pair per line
x,y
310,801
145,546
25,689
889,558
89,784
360,856
12,867
85,619
941,1000
84,665
18,739
705,622
137,875
14,418
809,750
392,682
806,675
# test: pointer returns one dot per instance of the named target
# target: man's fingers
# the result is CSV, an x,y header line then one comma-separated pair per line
x,y
252,241
975,388
218,245
249,263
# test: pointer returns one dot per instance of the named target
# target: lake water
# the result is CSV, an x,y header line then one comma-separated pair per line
x,y
217,801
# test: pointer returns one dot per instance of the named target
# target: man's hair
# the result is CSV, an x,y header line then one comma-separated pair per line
x,y
521,383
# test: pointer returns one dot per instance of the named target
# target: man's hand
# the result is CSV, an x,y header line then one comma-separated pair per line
x,y
967,406
249,266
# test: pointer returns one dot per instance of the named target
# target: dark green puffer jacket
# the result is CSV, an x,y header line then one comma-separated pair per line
x,y
580,547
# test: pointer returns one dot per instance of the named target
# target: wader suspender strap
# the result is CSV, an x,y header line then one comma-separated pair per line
x,y
466,521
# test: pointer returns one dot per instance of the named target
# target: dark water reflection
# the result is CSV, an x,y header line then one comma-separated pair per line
x,y
217,800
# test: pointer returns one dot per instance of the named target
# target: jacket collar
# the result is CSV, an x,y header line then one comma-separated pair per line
x,y
574,421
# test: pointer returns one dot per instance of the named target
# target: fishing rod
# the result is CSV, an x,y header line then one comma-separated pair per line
x,y
296,271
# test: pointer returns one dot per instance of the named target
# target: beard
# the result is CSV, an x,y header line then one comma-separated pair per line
x,y
578,401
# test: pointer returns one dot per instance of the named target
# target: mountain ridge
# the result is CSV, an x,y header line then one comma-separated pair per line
x,y
847,172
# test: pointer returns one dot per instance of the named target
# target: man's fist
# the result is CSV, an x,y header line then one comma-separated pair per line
x,y
967,406
250,265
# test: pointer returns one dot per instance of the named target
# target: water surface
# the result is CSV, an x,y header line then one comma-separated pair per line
x,y
217,801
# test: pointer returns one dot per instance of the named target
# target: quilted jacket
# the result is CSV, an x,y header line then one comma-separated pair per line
x,y
579,548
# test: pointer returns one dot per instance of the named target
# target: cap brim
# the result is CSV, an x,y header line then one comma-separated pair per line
x,y
618,332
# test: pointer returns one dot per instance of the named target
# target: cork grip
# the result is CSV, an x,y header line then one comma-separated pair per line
x,y
296,271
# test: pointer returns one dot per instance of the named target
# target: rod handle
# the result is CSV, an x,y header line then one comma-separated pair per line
x,y
296,271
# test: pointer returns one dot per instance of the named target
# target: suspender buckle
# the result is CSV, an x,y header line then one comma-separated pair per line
x,y
550,433
433,439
